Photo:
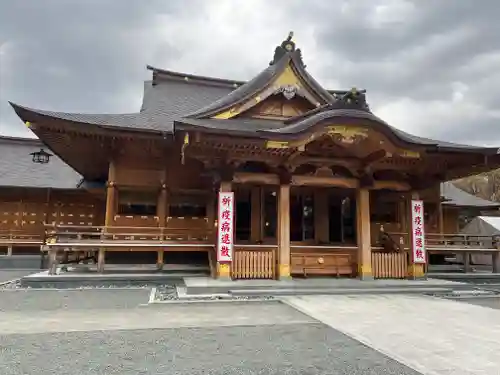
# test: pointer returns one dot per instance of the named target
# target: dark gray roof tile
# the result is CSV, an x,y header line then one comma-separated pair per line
x,y
454,196
162,104
17,168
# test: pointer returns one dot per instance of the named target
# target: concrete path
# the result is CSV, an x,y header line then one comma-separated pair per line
x,y
174,316
431,335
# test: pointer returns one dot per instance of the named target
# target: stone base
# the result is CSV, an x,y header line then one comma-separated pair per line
x,y
223,271
416,272
366,277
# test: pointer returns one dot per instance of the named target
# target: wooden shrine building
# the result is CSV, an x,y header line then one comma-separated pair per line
x,y
321,184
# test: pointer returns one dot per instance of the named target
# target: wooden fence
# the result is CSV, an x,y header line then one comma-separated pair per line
x,y
390,265
254,262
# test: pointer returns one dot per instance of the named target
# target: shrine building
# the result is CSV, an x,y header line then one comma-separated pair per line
x,y
270,178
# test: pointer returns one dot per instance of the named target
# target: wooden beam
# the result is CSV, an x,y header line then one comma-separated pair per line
x,y
258,178
111,201
373,157
391,185
343,182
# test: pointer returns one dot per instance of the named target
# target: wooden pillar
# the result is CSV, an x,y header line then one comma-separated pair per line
x,y
161,207
363,234
495,258
284,232
256,215
441,218
224,269
321,216
111,203
416,271
52,266
101,259
161,212
111,196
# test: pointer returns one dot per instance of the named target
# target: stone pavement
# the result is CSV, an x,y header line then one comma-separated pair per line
x,y
108,332
8,275
433,336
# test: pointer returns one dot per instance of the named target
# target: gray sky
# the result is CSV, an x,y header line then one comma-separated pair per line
x,y
430,67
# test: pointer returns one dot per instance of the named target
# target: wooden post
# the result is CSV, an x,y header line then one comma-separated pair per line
x,y
161,212
416,271
111,203
160,259
161,206
284,232
364,234
256,215
224,269
52,266
441,218
101,260
495,258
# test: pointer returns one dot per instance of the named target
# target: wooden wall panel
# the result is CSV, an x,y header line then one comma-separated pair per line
x,y
450,220
29,210
10,215
126,176
187,176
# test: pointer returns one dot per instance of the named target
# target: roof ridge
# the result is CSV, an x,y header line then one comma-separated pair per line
x,y
14,139
178,76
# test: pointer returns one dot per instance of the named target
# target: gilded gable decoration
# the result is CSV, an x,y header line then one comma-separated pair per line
x,y
288,91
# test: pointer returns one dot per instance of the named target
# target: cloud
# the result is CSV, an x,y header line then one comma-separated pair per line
x,y
430,67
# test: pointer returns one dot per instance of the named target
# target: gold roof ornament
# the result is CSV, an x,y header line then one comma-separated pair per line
x,y
287,46
183,148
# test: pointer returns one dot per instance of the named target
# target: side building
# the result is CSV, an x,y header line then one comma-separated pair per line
x,y
317,177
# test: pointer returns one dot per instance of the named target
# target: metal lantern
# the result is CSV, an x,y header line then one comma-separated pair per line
x,y
41,157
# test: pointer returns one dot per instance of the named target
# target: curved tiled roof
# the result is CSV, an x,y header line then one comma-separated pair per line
x,y
454,196
250,88
176,101
18,170
162,104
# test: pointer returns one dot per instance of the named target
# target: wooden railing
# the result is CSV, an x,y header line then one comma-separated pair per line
x,y
254,262
450,241
84,237
460,241
18,237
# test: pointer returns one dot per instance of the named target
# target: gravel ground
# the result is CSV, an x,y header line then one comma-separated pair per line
x,y
169,293
492,302
86,299
306,349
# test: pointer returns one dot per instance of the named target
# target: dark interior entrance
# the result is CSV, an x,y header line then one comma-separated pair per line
x,y
302,215
342,216
310,209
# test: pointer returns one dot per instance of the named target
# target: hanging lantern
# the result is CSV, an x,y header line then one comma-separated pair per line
x,y
41,157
